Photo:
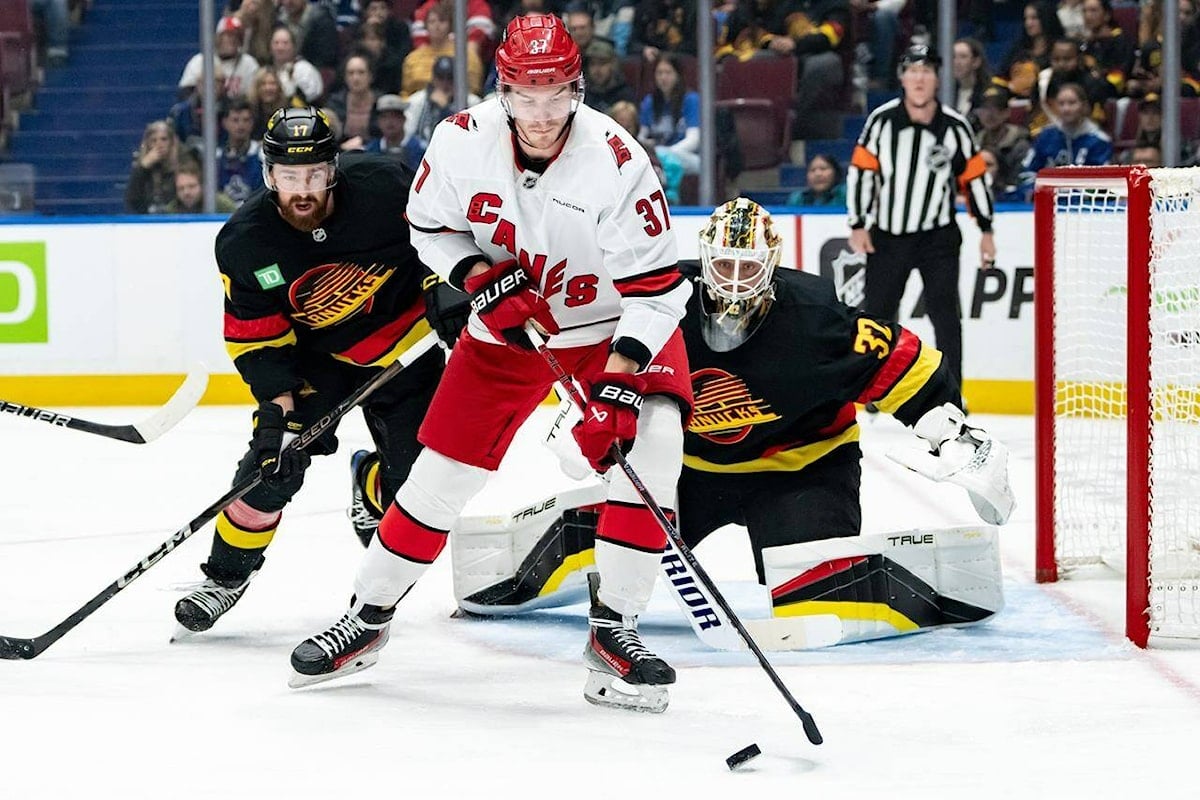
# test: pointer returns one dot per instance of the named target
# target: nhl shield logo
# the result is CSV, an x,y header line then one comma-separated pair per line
x,y
319,235
937,158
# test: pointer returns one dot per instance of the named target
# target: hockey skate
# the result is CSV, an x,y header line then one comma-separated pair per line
x,y
350,645
622,673
199,610
361,517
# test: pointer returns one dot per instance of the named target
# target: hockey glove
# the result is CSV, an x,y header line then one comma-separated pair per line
x,y
446,308
281,470
505,298
609,418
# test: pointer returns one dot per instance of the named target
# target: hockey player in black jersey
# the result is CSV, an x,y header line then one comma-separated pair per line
x,y
778,365
322,290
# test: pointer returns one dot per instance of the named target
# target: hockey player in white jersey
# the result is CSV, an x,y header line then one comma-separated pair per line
x,y
545,212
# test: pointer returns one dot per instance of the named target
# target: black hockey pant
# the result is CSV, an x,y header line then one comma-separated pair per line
x,y
935,254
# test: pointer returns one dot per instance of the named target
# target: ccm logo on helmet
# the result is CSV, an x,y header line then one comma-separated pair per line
x,y
619,394
300,148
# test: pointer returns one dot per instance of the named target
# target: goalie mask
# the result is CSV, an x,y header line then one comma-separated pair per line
x,y
739,251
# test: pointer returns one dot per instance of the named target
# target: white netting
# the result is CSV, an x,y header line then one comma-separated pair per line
x,y
1089,366
1090,286
1175,402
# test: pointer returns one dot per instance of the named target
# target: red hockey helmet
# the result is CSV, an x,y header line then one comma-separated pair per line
x,y
537,50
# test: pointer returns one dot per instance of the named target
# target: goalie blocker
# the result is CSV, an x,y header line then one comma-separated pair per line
x,y
822,593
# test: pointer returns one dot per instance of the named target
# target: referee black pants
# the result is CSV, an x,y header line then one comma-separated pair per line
x,y
935,254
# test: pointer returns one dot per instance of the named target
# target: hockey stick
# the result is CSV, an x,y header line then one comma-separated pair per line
x,y
15,648
706,619
184,400
568,386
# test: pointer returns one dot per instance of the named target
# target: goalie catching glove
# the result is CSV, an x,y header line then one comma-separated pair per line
x,y
282,469
966,456
610,417
505,298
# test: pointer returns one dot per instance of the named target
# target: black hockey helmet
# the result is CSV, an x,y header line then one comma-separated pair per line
x,y
298,136
920,54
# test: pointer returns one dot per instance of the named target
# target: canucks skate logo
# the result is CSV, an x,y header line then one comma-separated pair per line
x,y
725,409
330,293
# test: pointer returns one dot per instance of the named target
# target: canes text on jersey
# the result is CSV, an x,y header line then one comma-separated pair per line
x,y
580,290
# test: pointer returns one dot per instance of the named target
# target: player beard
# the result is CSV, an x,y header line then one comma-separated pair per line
x,y
543,139
310,219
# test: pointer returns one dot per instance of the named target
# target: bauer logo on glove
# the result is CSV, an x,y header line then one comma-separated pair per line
x,y
615,393
505,298
490,294
610,418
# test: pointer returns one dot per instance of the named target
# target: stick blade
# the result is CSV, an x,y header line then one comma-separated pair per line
x,y
16,649
810,728
184,400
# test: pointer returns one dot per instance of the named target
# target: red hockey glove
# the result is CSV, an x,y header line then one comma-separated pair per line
x,y
505,298
609,418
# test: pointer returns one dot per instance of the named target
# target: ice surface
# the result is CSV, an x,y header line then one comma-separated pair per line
x,y
1046,701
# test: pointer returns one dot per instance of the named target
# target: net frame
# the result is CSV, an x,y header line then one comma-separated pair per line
x,y
1160,596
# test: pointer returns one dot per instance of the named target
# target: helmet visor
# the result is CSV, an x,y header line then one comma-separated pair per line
x,y
302,177
541,103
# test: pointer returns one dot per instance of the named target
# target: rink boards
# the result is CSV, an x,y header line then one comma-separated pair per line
x,y
112,311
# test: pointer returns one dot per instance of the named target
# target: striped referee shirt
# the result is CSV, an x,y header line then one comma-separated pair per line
x,y
904,174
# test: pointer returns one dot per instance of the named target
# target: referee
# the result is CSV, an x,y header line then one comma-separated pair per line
x,y
912,156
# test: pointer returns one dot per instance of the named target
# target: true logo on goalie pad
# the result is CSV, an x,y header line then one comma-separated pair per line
x,y
889,584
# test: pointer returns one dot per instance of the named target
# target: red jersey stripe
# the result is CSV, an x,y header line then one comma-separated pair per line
x,y
249,330
659,281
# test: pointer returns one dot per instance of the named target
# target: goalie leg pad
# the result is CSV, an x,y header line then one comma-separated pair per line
x,y
535,555
884,585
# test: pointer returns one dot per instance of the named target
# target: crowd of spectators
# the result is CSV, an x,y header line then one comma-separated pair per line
x,y
383,70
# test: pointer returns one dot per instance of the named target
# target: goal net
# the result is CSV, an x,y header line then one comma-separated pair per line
x,y
1117,272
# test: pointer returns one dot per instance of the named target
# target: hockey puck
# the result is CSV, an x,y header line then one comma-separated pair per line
x,y
742,756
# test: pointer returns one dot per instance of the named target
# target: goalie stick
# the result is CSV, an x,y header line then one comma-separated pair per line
x,y
13,648
568,386
184,400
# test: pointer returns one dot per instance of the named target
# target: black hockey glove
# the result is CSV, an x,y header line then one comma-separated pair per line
x,y
281,470
446,308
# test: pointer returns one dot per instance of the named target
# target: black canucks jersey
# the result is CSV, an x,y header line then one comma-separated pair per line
x,y
350,289
785,397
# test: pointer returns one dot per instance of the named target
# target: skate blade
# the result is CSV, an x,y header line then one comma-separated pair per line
x,y
610,691
182,634
364,661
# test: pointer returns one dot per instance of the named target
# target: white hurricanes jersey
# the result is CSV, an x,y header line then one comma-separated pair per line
x,y
593,228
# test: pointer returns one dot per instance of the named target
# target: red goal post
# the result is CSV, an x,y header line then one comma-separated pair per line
x,y
1117,385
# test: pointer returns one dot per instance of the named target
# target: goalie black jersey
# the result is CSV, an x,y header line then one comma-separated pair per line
x,y
349,290
785,397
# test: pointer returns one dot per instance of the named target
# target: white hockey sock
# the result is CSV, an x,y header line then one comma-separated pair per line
x,y
383,577
626,577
